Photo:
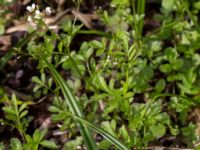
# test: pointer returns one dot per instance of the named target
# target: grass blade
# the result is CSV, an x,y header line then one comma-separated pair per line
x,y
140,11
73,105
5,59
106,135
191,16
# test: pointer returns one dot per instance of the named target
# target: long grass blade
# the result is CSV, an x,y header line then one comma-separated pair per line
x,y
141,11
73,105
106,135
191,17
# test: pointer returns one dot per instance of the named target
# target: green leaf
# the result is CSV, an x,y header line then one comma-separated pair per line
x,y
9,110
100,51
113,124
101,83
84,47
11,117
104,145
178,64
24,113
37,80
106,135
170,54
43,78
49,144
28,138
166,68
160,85
89,52
174,131
168,4
93,63
73,105
158,130
111,84
77,84
34,146
197,5
60,46
36,135
124,133
189,131
147,72
119,2
67,64
15,144
39,135
96,44
162,117
72,144
107,127
156,45
43,133
54,109
14,101
22,107
50,82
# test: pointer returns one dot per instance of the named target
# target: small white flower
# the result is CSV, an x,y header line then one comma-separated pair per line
x,y
115,63
31,8
109,58
30,19
38,14
48,10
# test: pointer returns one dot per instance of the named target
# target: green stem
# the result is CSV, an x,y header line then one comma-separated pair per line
x,y
132,6
66,46
191,16
9,54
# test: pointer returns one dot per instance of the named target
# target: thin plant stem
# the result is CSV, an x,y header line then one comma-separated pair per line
x,y
191,16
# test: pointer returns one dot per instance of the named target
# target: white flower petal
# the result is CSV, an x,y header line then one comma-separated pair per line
x,y
29,8
30,19
48,10
33,6
37,12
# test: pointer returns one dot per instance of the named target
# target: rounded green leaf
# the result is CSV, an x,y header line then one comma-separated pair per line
x,y
15,144
160,85
49,144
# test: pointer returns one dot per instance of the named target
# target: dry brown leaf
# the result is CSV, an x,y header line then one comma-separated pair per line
x,y
25,2
5,42
46,123
83,18
50,21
